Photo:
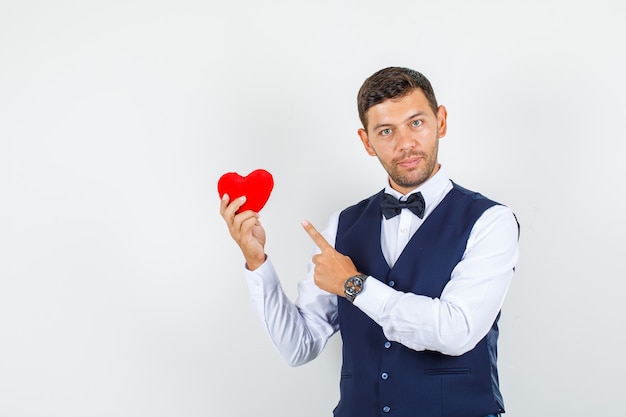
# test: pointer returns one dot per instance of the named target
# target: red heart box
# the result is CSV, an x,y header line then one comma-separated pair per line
x,y
256,186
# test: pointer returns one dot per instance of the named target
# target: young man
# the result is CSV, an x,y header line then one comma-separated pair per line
x,y
414,276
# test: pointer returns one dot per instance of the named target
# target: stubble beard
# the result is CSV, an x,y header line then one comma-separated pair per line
x,y
415,177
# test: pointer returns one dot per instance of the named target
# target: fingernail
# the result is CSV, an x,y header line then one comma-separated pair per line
x,y
304,223
242,198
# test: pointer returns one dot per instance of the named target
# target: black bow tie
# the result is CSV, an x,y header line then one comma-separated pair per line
x,y
391,206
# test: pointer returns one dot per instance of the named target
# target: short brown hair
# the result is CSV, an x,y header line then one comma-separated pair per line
x,y
390,83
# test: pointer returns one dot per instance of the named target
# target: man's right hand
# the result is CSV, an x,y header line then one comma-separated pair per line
x,y
245,229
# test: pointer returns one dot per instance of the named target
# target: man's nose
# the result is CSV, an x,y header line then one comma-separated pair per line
x,y
405,139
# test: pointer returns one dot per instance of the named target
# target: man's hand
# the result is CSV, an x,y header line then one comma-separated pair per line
x,y
245,229
332,269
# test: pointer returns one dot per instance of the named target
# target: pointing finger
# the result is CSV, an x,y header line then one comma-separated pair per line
x,y
316,236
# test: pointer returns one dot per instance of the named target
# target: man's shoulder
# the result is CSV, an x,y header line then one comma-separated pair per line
x,y
483,204
466,193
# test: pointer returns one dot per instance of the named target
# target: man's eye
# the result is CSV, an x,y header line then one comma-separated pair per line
x,y
416,123
385,132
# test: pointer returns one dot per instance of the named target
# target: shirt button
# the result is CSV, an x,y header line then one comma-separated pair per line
x,y
403,230
384,375
392,283
387,345
386,409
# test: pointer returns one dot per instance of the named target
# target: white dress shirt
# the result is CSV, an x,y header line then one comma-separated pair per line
x,y
452,324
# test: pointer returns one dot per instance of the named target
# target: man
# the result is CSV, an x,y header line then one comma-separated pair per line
x,y
414,276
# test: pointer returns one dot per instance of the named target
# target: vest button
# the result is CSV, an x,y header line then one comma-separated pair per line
x,y
386,409
384,375
392,283
387,345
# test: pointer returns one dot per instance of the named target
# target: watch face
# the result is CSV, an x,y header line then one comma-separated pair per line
x,y
354,286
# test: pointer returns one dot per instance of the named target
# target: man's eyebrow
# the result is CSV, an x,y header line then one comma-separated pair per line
x,y
418,114
378,126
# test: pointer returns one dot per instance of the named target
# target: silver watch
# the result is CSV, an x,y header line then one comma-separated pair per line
x,y
353,286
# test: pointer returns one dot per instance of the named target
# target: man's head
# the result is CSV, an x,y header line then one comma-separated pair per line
x,y
392,83
402,125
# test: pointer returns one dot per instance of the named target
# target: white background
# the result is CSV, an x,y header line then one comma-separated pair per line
x,y
121,293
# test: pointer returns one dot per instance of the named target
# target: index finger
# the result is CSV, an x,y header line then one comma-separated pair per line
x,y
316,236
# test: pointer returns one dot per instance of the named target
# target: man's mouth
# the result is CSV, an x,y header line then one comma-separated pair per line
x,y
409,162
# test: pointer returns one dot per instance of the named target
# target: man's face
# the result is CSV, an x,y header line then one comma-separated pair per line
x,y
404,134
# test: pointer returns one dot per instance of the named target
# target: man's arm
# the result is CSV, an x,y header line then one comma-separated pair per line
x,y
298,330
469,304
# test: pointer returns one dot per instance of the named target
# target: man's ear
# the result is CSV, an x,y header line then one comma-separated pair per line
x,y
366,142
442,121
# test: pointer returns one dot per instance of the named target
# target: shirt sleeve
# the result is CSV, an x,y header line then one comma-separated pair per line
x,y
299,330
469,303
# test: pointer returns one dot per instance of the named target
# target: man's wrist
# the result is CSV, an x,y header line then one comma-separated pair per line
x,y
353,286
252,264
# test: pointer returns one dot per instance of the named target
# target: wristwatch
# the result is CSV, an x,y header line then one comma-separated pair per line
x,y
353,286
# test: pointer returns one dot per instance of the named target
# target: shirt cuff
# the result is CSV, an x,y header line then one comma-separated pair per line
x,y
373,298
262,279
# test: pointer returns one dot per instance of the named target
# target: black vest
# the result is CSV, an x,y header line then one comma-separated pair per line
x,y
380,377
